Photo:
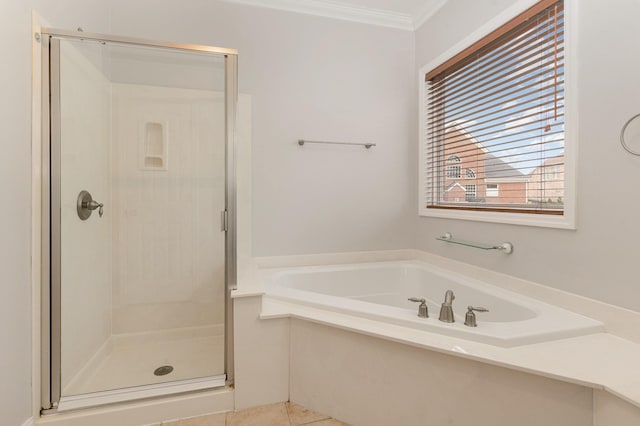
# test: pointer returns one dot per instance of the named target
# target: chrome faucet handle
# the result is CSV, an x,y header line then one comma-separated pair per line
x,y
423,310
470,317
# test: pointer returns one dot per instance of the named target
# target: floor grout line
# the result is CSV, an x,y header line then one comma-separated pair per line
x,y
286,408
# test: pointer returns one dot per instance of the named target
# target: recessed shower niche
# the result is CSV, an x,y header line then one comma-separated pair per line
x,y
138,296
153,145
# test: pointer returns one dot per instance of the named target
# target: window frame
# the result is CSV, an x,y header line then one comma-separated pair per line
x,y
568,219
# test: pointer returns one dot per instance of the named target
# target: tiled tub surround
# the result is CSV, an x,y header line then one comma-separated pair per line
x,y
372,382
601,362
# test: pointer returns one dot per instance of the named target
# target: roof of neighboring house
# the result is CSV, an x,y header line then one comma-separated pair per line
x,y
455,126
553,161
453,185
495,168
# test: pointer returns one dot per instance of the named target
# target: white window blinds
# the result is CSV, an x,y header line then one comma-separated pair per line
x,y
497,108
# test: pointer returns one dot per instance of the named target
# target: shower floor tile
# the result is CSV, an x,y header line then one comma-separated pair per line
x,y
129,360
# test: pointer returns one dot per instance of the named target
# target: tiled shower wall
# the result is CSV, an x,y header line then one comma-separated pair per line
x,y
168,195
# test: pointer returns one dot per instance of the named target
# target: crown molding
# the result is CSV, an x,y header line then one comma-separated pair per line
x,y
427,12
336,10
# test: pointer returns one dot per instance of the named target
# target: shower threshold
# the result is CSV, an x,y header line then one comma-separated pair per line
x,y
75,402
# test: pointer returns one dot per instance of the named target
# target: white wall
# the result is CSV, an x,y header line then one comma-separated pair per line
x,y
312,78
599,259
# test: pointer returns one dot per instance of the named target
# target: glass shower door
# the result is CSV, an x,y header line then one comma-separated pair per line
x,y
138,196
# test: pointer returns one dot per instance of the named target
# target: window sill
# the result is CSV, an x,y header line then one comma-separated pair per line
x,y
565,221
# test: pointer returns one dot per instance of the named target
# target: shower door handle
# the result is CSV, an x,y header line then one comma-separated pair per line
x,y
86,205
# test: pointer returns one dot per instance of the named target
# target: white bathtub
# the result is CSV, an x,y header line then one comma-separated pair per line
x,y
379,291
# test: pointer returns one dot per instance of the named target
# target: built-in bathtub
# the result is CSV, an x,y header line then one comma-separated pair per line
x,y
379,291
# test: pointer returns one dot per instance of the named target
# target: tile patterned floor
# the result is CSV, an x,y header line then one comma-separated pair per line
x,y
281,414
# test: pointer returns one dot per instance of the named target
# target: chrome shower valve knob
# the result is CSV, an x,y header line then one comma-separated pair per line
x,y
95,205
86,205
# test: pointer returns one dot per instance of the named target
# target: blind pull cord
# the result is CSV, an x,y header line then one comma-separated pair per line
x,y
555,63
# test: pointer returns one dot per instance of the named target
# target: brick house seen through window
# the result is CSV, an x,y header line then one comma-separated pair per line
x,y
483,173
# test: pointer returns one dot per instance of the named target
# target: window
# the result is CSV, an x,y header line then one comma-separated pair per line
x,y
470,173
551,172
453,170
470,193
498,109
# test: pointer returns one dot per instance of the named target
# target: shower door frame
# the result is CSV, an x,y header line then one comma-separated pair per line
x,y
51,143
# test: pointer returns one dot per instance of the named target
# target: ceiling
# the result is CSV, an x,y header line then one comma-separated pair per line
x,y
402,14
409,7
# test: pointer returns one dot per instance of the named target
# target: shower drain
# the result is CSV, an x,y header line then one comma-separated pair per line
x,y
163,371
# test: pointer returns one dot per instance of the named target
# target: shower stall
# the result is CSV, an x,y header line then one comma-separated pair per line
x,y
138,218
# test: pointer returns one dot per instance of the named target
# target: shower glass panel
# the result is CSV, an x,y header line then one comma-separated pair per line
x,y
141,194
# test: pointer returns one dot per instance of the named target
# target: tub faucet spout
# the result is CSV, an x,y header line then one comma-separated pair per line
x,y
446,311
